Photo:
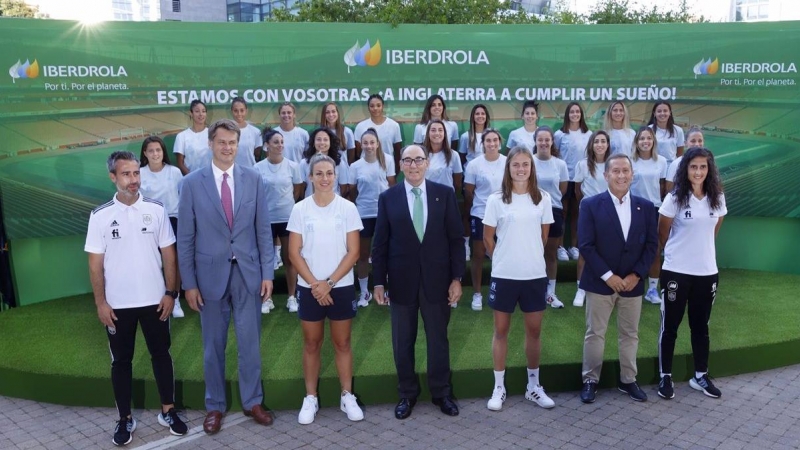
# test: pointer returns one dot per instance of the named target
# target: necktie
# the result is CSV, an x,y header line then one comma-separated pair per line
x,y
418,216
227,200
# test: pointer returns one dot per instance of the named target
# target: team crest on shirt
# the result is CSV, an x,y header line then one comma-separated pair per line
x,y
147,219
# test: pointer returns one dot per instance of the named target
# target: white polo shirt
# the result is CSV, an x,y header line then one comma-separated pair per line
x,y
130,239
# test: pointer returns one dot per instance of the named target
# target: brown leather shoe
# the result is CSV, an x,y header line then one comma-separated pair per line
x,y
260,415
213,422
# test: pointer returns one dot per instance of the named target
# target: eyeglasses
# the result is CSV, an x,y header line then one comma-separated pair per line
x,y
418,161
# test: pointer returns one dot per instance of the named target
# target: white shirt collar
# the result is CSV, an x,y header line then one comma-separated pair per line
x,y
218,172
409,187
625,198
135,204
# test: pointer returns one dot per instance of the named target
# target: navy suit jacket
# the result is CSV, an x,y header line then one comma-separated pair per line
x,y
604,248
205,242
408,263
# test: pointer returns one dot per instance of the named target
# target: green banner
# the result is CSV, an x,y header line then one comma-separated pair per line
x,y
74,92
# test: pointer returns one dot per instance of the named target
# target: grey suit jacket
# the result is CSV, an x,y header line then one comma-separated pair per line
x,y
206,245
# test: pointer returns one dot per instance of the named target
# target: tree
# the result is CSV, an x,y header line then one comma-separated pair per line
x,y
621,11
18,8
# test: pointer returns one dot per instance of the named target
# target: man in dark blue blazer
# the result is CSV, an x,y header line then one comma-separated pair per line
x,y
618,239
419,249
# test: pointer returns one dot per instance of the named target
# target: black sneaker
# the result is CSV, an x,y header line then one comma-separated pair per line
x,y
588,392
704,384
123,433
666,387
633,390
170,419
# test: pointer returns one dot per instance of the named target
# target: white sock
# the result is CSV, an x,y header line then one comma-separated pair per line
x,y
653,283
499,378
363,284
551,286
533,378
665,374
699,374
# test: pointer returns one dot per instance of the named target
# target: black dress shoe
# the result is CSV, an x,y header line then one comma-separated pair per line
x,y
447,405
633,390
404,408
588,392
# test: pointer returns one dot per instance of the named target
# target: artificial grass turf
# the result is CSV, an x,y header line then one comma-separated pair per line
x,y
64,337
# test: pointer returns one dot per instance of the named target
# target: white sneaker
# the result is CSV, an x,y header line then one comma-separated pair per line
x,y
364,298
349,406
553,301
278,263
477,301
454,305
580,297
574,253
538,396
308,411
267,306
562,254
652,296
498,398
291,304
466,246
177,312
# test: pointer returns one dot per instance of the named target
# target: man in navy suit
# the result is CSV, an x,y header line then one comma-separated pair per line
x,y
618,239
225,253
419,249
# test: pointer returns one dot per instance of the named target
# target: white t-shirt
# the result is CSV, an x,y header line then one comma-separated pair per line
x,y
438,169
341,176
591,185
388,133
621,141
130,239
668,146
690,248
521,137
295,142
194,148
647,176
463,146
449,125
370,180
164,186
673,168
249,140
487,177
324,231
349,139
280,180
519,253
548,175
572,146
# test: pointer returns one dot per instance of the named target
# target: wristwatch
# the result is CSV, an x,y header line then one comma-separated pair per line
x,y
173,294
331,283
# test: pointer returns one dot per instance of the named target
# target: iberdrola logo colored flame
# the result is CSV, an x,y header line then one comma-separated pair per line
x,y
27,70
363,56
706,67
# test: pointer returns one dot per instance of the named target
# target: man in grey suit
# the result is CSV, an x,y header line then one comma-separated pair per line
x,y
225,256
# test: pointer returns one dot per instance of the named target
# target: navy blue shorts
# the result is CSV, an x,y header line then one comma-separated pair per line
x,y
476,228
557,227
279,229
343,308
504,295
369,228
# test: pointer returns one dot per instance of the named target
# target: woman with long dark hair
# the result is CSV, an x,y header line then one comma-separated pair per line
x,y
324,141
436,109
444,165
669,136
470,146
191,145
331,118
388,130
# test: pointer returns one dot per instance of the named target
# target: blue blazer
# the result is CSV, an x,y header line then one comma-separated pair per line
x,y
206,244
604,248
408,264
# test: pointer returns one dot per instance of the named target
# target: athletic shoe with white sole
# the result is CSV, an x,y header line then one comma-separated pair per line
x,y
704,384
653,296
574,254
580,298
537,395
177,312
364,298
308,411
170,419
498,398
123,433
267,306
666,389
291,304
477,301
278,263
349,405
553,301
562,254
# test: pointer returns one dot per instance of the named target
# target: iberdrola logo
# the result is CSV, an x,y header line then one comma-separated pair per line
x,y
363,56
706,67
27,70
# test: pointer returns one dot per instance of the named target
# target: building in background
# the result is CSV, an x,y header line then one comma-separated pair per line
x,y
194,10
764,10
